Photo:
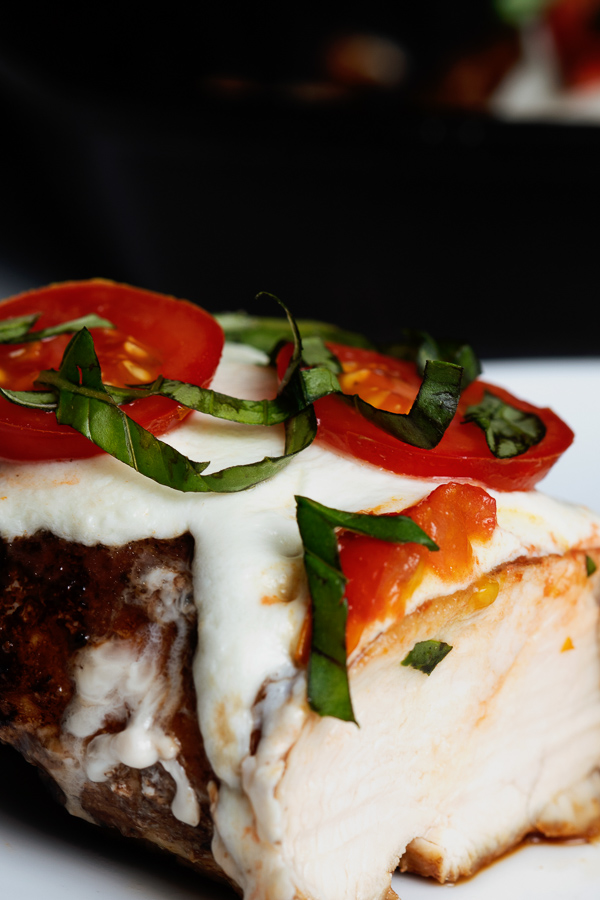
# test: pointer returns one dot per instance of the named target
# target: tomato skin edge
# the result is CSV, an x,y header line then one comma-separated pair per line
x,y
516,474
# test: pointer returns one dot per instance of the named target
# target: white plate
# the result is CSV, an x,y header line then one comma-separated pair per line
x,y
46,855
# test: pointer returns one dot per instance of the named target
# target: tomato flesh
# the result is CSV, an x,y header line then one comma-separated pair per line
x,y
462,453
155,334
124,359
383,576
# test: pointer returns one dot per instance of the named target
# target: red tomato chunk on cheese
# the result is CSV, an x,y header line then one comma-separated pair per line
x,y
382,576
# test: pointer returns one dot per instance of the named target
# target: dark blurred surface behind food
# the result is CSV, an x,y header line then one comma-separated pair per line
x,y
213,155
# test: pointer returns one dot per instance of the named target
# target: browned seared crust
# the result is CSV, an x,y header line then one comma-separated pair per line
x,y
58,597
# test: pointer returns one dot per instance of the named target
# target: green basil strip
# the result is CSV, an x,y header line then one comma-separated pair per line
x,y
590,566
508,431
212,403
316,353
265,333
426,655
11,330
463,355
328,686
316,383
85,404
430,414
300,429
420,346
44,400
17,330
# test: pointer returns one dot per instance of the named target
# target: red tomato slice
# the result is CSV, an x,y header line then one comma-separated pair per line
x,y
462,453
154,334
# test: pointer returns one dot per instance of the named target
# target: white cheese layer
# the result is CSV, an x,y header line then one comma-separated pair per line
x,y
248,574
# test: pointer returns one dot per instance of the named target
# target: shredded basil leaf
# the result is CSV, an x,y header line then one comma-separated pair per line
x,y
12,329
420,347
316,383
44,400
301,428
590,566
18,329
328,686
86,405
508,431
316,353
212,403
270,334
431,413
426,655
462,355
264,332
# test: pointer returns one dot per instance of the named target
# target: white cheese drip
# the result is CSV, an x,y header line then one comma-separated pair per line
x,y
248,557
111,679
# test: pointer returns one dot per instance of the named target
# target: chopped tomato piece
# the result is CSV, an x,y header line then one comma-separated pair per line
x,y
383,576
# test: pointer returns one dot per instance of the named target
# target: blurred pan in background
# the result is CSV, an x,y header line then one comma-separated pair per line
x,y
362,167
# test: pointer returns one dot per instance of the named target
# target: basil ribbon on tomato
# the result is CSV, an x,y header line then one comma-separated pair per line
x,y
19,330
509,431
150,334
461,452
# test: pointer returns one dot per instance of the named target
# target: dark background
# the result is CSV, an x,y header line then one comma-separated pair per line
x,y
211,155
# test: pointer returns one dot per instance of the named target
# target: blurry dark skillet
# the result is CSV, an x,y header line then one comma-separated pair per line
x,y
204,159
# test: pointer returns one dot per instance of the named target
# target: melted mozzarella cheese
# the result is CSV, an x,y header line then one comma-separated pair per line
x,y
249,581
112,680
